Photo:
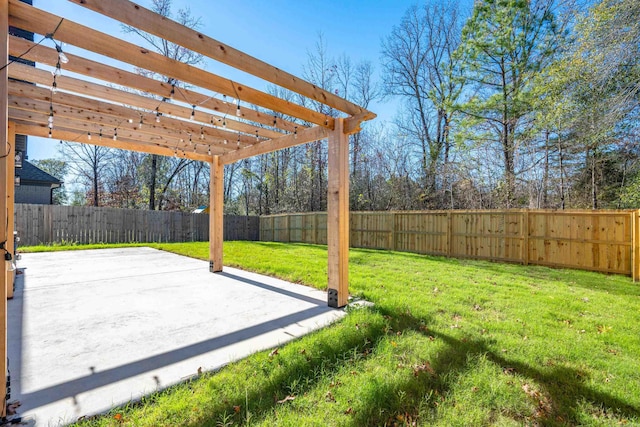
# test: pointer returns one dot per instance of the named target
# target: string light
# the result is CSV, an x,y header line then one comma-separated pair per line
x,y
209,151
224,123
56,73
50,133
100,134
211,121
115,134
238,112
226,141
190,140
50,119
173,90
157,115
193,112
201,133
274,121
257,137
238,142
141,122
130,120
295,132
61,56
89,136
194,147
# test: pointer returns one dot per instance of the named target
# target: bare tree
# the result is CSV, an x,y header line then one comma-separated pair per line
x,y
89,163
173,51
420,67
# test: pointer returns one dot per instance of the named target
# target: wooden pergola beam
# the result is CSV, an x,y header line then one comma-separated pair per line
x,y
216,108
61,134
79,131
11,189
38,21
37,99
315,133
5,152
132,14
216,214
338,217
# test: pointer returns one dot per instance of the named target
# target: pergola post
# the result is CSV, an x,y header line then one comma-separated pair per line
x,y
11,190
338,216
5,152
216,214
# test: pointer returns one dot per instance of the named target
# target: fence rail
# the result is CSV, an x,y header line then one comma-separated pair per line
x,y
604,241
42,224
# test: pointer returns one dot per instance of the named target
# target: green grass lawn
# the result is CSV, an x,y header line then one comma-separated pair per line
x,y
449,342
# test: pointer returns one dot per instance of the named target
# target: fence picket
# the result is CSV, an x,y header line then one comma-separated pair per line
x,y
46,224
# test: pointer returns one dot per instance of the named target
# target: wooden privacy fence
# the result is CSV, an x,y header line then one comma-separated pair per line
x,y
605,241
43,224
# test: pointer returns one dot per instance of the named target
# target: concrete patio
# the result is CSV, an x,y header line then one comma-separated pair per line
x,y
95,328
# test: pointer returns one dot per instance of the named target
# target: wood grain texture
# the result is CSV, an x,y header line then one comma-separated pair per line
x,y
604,241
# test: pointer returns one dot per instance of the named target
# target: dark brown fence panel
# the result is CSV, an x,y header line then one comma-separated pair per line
x,y
46,224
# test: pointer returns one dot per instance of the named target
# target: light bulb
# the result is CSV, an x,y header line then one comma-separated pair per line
x,y
238,112
89,136
63,58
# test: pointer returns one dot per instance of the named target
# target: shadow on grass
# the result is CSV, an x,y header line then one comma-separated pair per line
x,y
295,369
565,387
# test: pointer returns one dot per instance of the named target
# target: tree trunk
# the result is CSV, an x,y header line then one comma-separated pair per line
x,y
95,185
152,182
594,191
561,159
545,179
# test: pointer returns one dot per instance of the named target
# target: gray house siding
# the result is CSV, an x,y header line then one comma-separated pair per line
x,y
36,194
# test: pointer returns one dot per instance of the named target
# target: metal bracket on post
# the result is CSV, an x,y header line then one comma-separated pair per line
x,y
211,269
333,298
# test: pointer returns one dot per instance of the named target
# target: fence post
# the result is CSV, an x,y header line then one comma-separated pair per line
x,y
315,228
635,246
393,231
449,234
525,237
47,224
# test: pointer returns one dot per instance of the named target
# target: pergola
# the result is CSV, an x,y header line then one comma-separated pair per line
x,y
160,117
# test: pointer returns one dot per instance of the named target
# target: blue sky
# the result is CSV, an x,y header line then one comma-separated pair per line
x,y
280,32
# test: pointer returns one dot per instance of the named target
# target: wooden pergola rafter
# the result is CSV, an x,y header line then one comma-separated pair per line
x,y
215,119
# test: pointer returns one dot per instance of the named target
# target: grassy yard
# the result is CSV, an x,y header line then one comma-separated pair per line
x,y
449,342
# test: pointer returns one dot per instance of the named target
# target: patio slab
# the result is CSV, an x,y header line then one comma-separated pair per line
x,y
91,329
